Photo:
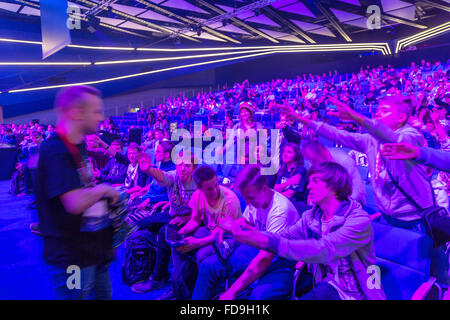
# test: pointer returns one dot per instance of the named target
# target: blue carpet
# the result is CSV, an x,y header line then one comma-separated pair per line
x,y
22,269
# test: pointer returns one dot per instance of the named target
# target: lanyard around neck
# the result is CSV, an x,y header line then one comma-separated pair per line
x,y
73,149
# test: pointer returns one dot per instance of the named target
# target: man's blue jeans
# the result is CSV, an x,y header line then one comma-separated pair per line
x,y
185,266
276,283
95,283
158,222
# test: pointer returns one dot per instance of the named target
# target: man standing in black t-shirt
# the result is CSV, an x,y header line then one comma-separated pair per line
x,y
73,215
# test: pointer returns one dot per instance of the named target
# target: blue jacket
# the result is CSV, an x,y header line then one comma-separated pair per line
x,y
114,172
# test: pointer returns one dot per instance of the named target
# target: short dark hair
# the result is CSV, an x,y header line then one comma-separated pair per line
x,y
335,176
203,173
167,146
135,146
250,175
180,155
73,95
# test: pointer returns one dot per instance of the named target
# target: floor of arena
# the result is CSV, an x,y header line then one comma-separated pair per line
x,y
22,271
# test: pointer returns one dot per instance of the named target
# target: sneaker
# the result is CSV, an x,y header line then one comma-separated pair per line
x,y
168,295
34,227
148,285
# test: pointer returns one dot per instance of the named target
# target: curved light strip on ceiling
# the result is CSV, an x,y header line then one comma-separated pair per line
x,y
45,63
402,43
383,47
207,49
424,37
265,47
177,67
424,33
309,49
416,38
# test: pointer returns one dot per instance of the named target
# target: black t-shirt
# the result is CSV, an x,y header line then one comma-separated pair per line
x,y
64,243
300,188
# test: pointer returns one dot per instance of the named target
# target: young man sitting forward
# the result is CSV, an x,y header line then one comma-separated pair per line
x,y
267,210
335,237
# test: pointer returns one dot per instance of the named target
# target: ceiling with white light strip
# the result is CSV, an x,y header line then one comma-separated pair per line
x,y
276,21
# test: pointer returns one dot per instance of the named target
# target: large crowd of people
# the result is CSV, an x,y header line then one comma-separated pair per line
x,y
231,230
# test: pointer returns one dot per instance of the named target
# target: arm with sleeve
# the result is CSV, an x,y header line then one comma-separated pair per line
x,y
356,141
263,259
384,134
168,179
354,234
435,158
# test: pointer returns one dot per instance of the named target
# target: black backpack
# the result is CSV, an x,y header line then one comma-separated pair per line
x,y
140,257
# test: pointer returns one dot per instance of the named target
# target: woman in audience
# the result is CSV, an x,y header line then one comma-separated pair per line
x,y
291,179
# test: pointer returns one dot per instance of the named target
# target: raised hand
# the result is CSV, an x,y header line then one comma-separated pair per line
x,y
344,112
400,151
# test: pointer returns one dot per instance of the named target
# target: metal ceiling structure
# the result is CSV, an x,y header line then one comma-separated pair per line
x,y
244,22
125,44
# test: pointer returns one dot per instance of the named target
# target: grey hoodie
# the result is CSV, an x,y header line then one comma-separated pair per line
x,y
435,158
350,237
411,176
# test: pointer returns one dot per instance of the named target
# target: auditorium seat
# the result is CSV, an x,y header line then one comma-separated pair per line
x,y
404,260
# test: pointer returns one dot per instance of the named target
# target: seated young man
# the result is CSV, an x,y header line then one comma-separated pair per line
x,y
114,172
267,210
209,203
335,237
135,178
180,187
